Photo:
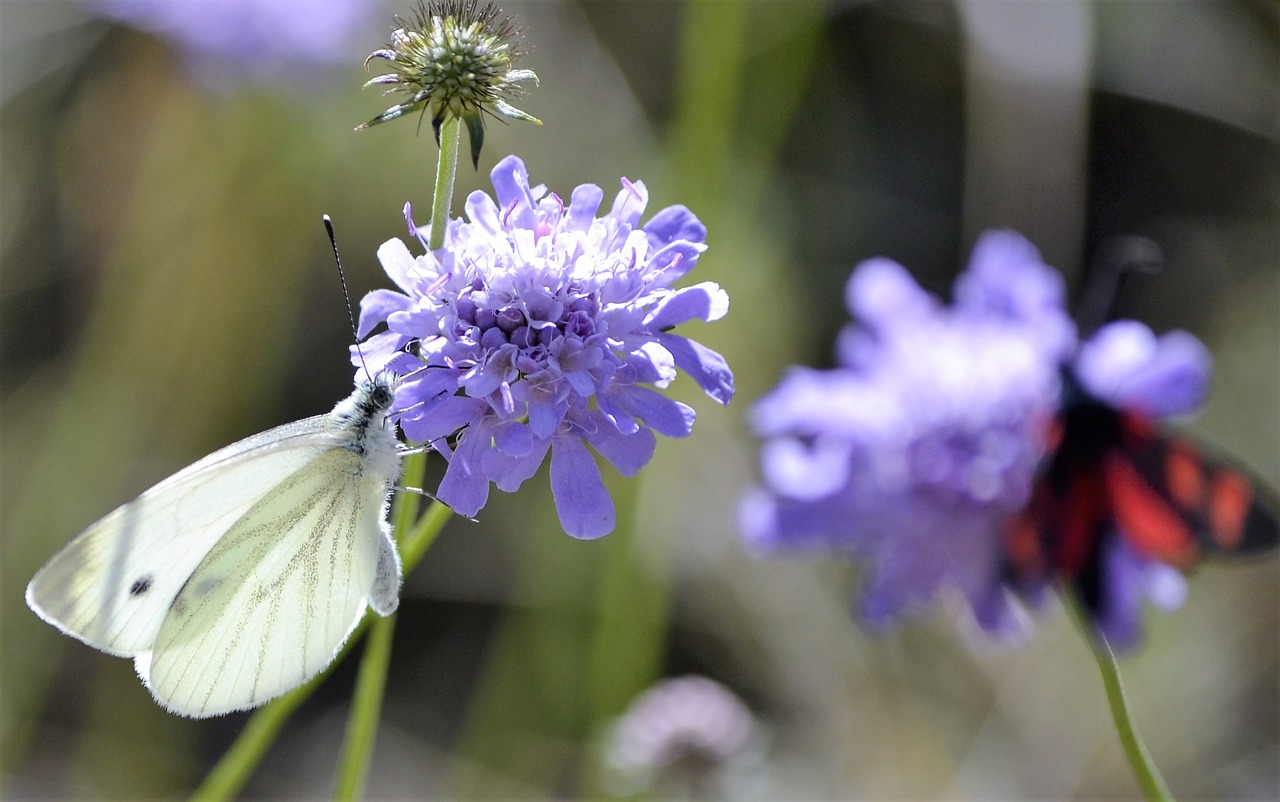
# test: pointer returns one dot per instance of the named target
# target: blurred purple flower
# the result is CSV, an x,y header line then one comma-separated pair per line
x,y
914,451
539,326
258,36
687,735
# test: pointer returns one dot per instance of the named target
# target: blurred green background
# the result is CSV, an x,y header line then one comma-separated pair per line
x,y
167,288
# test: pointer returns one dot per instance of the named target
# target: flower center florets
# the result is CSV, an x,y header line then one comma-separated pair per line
x,y
541,334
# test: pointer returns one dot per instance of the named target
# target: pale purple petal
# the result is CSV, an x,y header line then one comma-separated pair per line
x,y
399,265
1126,365
584,506
465,488
627,453
375,306
673,224
630,203
705,301
508,472
881,293
440,418
663,415
583,205
673,261
704,366
511,189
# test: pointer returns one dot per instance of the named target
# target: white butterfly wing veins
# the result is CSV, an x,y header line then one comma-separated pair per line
x,y
240,577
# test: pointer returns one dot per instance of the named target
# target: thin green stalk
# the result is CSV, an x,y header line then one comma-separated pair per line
x,y
1144,767
366,708
446,171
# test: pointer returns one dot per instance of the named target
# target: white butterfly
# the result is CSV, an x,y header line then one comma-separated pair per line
x,y
240,577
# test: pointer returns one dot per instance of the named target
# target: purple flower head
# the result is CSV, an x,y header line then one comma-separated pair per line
x,y
682,735
540,327
262,36
913,452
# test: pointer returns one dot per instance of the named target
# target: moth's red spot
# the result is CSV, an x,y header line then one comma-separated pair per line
x,y
1022,542
1229,500
1152,526
1137,426
1184,476
1053,431
1083,511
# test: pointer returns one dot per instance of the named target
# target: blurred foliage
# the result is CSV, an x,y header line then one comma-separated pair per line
x,y
166,288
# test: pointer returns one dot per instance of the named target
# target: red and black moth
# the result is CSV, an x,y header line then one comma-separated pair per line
x,y
1113,473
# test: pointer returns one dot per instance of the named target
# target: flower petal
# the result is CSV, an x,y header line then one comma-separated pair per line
x,y
706,367
1124,364
626,452
511,189
674,224
705,301
662,414
399,265
881,294
583,205
465,488
584,506
507,471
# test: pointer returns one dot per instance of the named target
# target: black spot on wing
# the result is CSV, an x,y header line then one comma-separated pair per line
x,y
141,585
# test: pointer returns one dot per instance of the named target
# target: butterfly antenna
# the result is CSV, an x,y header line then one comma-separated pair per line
x,y
1115,260
346,296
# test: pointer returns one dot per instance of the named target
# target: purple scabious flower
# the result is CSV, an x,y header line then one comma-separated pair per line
x,y
261,35
539,327
688,736
912,453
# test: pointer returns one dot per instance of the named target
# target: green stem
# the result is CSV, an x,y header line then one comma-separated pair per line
x,y
366,707
1144,767
446,171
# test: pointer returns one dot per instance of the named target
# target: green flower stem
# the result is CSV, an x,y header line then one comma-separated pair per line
x,y
366,707
1144,767
446,172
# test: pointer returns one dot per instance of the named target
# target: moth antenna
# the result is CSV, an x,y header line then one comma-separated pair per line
x,y
346,296
1114,261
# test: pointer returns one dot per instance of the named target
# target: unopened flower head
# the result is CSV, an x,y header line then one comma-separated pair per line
x,y
454,60
914,451
539,327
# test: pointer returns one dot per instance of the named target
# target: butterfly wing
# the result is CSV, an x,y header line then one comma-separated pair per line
x,y
1173,498
1165,495
112,586
277,595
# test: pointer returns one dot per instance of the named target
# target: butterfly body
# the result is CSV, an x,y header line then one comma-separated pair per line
x,y
239,577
